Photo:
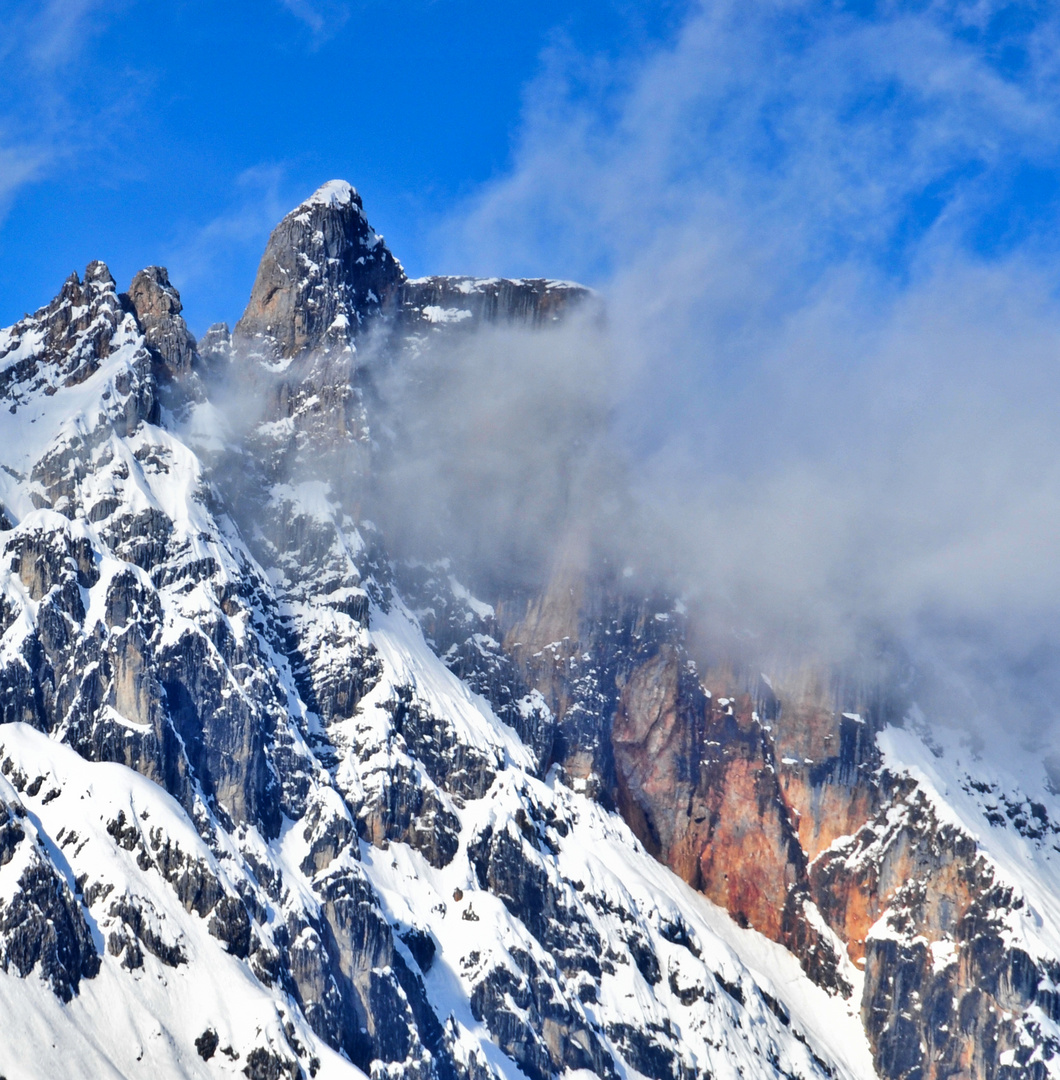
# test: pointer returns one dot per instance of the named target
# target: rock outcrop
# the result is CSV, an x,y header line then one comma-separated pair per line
x,y
456,301
773,799
157,307
64,343
324,274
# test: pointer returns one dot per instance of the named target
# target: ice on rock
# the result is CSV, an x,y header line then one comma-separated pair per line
x,y
333,194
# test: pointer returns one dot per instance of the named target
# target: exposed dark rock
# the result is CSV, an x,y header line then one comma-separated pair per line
x,y
403,808
213,630
157,307
505,866
421,945
11,833
267,1065
231,923
473,301
469,643
138,924
450,763
206,1044
215,346
43,926
325,271
536,1029
78,326
328,831
645,1052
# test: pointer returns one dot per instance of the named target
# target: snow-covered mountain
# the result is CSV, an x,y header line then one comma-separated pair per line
x,y
276,802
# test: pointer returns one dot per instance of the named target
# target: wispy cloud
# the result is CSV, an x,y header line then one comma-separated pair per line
x,y
835,123
209,262
42,120
60,29
833,300
324,18
19,165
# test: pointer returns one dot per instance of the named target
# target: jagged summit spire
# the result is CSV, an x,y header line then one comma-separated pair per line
x,y
325,271
157,306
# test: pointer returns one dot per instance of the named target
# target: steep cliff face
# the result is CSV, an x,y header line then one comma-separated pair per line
x,y
443,300
325,272
772,797
156,304
276,803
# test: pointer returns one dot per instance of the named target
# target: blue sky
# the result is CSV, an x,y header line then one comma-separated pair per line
x,y
490,137
142,132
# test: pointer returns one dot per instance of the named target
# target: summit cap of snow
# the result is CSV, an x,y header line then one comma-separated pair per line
x,y
334,193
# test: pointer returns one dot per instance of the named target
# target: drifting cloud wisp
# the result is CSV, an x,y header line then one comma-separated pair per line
x,y
828,248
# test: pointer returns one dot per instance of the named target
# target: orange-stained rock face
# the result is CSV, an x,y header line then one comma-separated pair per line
x,y
792,827
749,862
697,781
768,796
859,878
824,812
652,745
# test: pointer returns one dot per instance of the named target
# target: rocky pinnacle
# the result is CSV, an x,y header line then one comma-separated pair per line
x,y
157,306
324,272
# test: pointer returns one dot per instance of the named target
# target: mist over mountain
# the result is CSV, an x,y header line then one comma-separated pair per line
x,y
630,650
831,292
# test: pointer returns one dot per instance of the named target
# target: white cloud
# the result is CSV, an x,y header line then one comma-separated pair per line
x,y
208,263
842,413
19,165
822,121
324,18
60,29
42,122
256,207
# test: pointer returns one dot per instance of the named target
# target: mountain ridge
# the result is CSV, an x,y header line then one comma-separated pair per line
x,y
318,754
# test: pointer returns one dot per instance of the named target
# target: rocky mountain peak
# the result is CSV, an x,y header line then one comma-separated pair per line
x,y
98,277
216,344
325,272
157,306
335,193
87,307
62,343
